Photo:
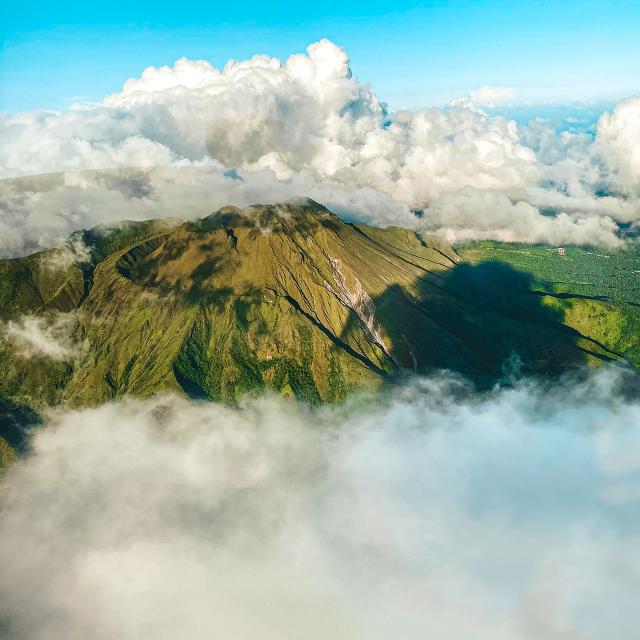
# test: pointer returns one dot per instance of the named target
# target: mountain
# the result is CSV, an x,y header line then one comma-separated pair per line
x,y
289,297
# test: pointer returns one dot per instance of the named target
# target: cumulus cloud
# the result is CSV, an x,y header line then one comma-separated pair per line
x,y
431,513
619,143
42,336
308,113
308,121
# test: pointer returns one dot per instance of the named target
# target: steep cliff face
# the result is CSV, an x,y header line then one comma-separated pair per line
x,y
284,297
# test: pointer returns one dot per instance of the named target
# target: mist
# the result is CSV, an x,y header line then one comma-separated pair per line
x,y
426,512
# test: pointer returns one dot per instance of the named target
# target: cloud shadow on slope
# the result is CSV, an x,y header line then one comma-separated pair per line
x,y
482,321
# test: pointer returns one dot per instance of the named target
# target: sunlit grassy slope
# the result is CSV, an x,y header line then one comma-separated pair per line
x,y
291,298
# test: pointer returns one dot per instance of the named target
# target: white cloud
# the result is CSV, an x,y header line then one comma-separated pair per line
x,y
492,96
42,336
42,211
619,144
308,121
474,214
60,259
305,114
422,515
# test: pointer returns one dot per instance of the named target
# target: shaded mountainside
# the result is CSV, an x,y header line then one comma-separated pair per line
x,y
291,298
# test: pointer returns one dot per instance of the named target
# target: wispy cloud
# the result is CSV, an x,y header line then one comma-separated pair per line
x,y
47,336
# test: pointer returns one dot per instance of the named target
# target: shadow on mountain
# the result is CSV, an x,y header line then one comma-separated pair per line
x,y
16,422
484,322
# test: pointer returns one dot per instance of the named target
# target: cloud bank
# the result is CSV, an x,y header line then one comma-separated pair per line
x,y
41,211
308,123
431,513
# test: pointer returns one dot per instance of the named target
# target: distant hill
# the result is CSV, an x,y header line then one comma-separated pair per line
x,y
291,298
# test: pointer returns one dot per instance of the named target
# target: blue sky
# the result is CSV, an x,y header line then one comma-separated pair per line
x,y
413,54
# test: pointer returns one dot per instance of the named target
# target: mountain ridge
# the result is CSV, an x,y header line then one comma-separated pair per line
x,y
291,298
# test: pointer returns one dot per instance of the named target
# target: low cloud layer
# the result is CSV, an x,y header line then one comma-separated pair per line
x,y
427,514
306,126
40,212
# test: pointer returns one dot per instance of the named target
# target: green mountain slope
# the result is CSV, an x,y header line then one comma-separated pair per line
x,y
291,298
596,290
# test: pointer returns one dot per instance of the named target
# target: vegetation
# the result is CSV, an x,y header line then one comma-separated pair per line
x,y
596,290
292,299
